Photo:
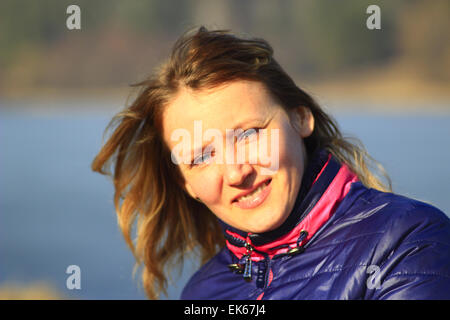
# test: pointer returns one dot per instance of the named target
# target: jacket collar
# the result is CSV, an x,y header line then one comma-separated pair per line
x,y
324,185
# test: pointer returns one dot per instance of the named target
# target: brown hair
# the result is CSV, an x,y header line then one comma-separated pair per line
x,y
148,185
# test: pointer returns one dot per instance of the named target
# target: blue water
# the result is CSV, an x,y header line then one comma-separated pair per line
x,y
54,212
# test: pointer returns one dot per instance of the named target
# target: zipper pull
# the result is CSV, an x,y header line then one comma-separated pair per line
x,y
248,263
236,267
298,249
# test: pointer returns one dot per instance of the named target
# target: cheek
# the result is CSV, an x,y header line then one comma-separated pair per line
x,y
291,149
207,186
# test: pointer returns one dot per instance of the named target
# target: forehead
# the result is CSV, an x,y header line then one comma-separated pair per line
x,y
221,108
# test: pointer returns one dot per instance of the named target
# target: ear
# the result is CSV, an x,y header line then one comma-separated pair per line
x,y
302,120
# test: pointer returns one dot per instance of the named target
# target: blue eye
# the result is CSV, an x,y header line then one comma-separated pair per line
x,y
247,133
203,158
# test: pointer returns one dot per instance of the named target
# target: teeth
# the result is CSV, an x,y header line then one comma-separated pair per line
x,y
249,196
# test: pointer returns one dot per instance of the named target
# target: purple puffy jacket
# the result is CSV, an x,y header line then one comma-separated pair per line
x,y
341,241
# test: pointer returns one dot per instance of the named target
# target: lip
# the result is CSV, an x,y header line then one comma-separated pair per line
x,y
254,202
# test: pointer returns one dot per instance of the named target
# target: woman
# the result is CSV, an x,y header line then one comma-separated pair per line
x,y
302,217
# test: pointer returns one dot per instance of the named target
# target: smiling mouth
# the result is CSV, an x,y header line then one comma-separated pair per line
x,y
254,198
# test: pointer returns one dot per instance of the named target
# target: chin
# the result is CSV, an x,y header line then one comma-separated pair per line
x,y
261,229
265,226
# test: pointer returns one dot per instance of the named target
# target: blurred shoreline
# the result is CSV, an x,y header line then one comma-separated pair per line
x,y
37,290
326,46
389,92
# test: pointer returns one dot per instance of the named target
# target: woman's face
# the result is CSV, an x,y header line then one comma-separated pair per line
x,y
256,192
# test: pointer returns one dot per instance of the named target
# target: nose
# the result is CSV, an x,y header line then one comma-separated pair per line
x,y
236,174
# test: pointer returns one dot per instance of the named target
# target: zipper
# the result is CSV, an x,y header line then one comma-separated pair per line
x,y
248,262
246,267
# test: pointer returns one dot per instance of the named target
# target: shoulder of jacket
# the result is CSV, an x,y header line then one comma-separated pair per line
x,y
414,230
401,210
422,222
405,211
396,218
205,273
